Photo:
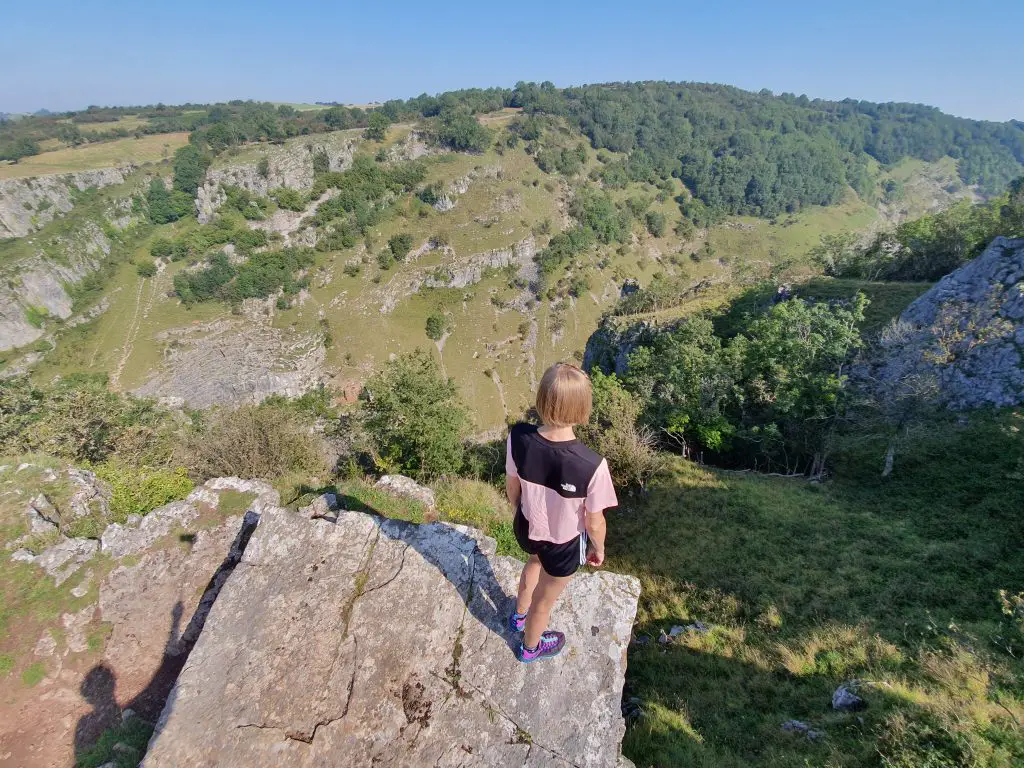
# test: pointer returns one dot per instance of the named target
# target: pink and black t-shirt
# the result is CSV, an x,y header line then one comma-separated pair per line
x,y
561,482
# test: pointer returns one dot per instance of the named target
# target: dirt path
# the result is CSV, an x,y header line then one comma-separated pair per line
x,y
501,391
140,314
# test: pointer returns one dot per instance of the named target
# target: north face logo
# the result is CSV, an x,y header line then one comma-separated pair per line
x,y
569,487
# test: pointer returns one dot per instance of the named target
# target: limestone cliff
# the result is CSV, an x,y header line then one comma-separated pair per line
x,y
288,166
361,641
966,333
26,205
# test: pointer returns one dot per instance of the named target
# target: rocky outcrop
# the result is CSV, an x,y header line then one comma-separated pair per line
x,y
37,287
230,362
966,333
364,641
151,607
458,271
466,272
26,205
288,166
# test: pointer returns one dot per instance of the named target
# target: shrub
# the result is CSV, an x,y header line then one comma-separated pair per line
x,y
614,433
79,419
655,222
254,441
140,490
438,325
414,417
145,267
400,245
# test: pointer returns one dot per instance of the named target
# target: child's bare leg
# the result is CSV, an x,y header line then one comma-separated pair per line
x,y
544,596
527,583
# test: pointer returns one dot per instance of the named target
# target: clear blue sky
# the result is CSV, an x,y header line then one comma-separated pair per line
x,y
961,56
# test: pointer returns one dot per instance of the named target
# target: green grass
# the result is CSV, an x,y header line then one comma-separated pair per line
x,y
33,674
808,585
6,664
106,154
133,734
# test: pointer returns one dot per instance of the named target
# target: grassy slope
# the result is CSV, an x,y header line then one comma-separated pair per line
x,y
809,585
107,154
485,337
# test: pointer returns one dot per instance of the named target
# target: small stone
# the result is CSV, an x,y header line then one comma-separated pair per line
x,y
45,646
321,506
676,631
846,700
22,556
699,627
127,714
663,638
798,726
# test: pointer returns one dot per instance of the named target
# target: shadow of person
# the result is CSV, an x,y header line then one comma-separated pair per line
x,y
98,689
99,685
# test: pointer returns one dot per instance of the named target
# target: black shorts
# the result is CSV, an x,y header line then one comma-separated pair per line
x,y
555,559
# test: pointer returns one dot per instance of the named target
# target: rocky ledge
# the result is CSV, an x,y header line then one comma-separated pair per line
x,y
353,640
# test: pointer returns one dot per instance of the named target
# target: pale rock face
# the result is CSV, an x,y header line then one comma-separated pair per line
x,y
400,485
289,166
28,204
966,332
232,361
368,641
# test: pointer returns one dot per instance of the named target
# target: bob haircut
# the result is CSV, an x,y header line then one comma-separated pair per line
x,y
564,397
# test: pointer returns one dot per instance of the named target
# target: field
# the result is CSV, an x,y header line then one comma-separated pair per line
x,y
803,587
128,123
107,154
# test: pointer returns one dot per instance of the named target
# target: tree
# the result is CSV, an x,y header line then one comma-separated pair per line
x,y
414,417
400,245
166,206
377,126
438,324
655,222
460,131
190,164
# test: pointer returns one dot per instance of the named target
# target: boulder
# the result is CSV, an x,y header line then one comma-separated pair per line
x,y
368,641
400,485
965,336
65,557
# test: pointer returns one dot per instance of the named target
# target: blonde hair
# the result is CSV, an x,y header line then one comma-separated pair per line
x,y
564,397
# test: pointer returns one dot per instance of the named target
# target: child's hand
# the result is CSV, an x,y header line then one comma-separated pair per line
x,y
595,558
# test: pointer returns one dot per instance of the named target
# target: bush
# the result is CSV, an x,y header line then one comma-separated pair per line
x,y
614,433
140,490
80,420
655,222
254,441
290,199
146,267
414,417
438,325
400,245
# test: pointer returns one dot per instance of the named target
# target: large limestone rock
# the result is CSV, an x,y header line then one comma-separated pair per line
x,y
371,642
966,334
29,203
288,166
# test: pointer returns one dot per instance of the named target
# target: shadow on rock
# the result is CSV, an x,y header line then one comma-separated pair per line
x,y
99,687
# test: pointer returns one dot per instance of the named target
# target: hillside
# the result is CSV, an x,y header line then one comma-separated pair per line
x,y
498,331
779,302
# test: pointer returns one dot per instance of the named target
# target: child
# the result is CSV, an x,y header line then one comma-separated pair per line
x,y
560,489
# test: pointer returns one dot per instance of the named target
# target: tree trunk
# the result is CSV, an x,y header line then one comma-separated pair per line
x,y
890,455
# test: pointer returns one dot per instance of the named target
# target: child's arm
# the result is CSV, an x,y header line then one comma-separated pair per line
x,y
513,489
600,496
596,529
